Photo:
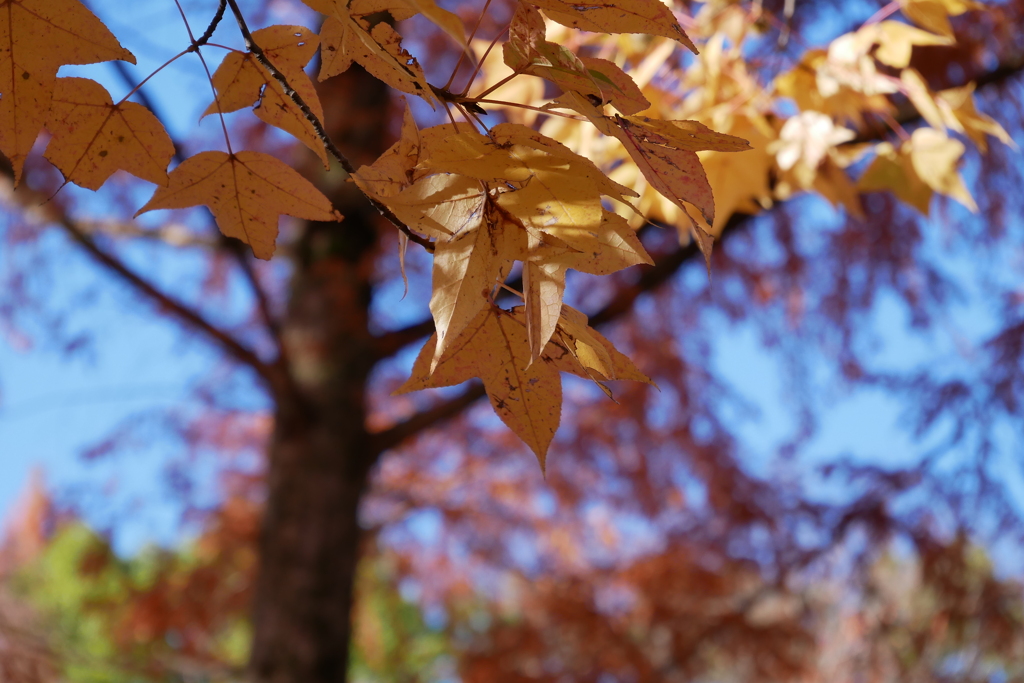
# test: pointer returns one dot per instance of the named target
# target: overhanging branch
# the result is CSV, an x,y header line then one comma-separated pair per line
x,y
621,303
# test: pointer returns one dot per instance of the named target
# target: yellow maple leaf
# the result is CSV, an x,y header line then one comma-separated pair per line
x,y
896,42
245,192
473,249
934,156
579,349
393,170
973,124
37,37
666,153
494,347
934,14
92,137
892,171
345,38
241,81
617,16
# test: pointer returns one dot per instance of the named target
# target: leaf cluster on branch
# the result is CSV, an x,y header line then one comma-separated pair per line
x,y
691,142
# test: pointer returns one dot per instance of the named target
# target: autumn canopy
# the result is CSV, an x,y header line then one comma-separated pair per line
x,y
600,144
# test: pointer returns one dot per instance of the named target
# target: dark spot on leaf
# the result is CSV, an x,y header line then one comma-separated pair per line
x,y
25,75
120,138
103,152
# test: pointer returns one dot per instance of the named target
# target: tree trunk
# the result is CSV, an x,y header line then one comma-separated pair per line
x,y
320,455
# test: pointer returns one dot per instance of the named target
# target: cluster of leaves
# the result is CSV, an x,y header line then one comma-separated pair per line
x,y
485,198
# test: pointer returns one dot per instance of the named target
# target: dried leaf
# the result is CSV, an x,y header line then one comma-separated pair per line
x,y
92,137
245,192
494,347
241,81
934,14
665,152
37,37
579,349
345,38
617,87
975,125
934,156
617,16
543,289
893,171
896,41
393,170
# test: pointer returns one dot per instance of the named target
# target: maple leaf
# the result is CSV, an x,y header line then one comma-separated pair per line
x,y
393,170
245,192
37,37
494,347
242,81
740,182
934,14
896,42
579,349
934,156
666,154
893,171
473,249
617,16
960,103
600,80
92,137
346,38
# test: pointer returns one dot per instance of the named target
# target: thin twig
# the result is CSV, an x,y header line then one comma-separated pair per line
x,y
230,245
318,127
208,33
176,308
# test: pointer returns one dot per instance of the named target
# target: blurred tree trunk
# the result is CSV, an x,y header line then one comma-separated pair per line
x,y
320,454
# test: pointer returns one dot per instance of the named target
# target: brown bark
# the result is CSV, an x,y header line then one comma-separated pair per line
x,y
321,454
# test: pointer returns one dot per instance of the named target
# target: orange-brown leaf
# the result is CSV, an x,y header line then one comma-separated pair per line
x,y
494,347
241,81
92,137
245,191
617,16
37,37
345,38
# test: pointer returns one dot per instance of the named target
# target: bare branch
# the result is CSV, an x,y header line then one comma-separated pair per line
x,y
389,438
318,127
185,314
176,308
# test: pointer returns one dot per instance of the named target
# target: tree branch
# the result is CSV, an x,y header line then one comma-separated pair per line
x,y
177,309
621,303
232,246
318,127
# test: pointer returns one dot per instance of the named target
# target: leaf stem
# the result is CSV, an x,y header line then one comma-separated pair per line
x,y
467,51
497,85
886,11
527,106
483,58
194,47
158,70
318,127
